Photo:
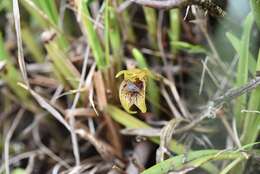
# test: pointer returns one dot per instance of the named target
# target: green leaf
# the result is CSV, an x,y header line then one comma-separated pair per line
x,y
188,47
252,120
242,70
175,30
255,5
92,36
236,45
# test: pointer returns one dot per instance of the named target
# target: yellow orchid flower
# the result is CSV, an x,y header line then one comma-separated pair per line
x,y
132,89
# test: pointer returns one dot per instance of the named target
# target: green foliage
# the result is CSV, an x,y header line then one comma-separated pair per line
x,y
190,48
246,121
11,76
252,120
32,45
132,122
175,29
49,7
151,20
61,63
236,43
255,5
115,38
242,70
92,36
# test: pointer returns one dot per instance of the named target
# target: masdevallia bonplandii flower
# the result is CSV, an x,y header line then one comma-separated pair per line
x,y
132,89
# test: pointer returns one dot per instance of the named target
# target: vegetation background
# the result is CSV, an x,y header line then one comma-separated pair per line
x,y
60,110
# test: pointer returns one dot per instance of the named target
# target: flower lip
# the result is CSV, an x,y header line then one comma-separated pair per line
x,y
132,90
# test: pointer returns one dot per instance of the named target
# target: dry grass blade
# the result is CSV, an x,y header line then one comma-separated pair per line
x,y
175,93
165,139
102,104
170,103
17,158
147,132
100,90
8,138
75,101
80,112
21,61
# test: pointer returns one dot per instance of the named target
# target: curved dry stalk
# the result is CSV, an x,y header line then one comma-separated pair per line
x,y
21,61
19,157
74,140
166,4
8,139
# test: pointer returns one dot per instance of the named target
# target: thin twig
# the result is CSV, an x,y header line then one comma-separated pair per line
x,y
165,63
230,131
236,92
19,157
45,105
75,101
174,110
211,75
9,135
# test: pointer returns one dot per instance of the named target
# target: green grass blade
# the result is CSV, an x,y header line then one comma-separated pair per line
x,y
49,7
92,37
115,38
37,16
32,45
107,26
252,121
175,28
251,130
255,5
62,64
190,48
229,167
127,25
11,76
236,43
45,13
151,21
242,71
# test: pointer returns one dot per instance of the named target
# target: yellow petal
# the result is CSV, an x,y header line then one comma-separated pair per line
x,y
140,101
